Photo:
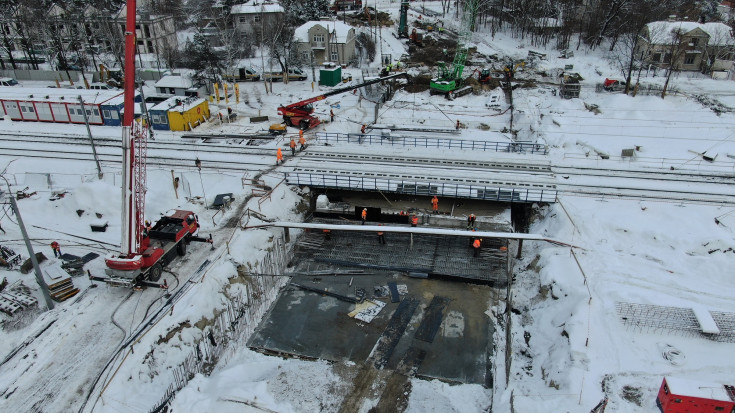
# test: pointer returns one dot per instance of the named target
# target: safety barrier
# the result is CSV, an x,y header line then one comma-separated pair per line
x,y
421,142
503,194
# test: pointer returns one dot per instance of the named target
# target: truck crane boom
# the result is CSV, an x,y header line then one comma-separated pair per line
x,y
141,261
299,114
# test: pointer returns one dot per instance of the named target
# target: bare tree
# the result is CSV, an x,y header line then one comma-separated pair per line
x,y
675,55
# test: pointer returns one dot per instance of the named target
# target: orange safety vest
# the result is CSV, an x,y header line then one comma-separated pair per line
x,y
279,155
414,219
435,201
476,244
302,140
301,133
292,144
364,213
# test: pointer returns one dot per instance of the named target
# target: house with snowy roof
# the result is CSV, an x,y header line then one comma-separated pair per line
x,y
177,85
325,41
686,46
256,17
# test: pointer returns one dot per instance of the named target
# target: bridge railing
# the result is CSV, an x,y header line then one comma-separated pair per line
x,y
441,143
413,187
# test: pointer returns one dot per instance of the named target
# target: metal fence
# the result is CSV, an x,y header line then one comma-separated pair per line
x,y
441,143
235,324
504,194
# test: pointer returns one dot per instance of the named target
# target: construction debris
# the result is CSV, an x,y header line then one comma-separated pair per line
x,y
367,310
15,298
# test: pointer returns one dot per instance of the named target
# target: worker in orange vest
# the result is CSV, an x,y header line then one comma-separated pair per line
x,y
279,156
381,237
476,245
414,220
302,141
471,221
57,249
292,144
364,215
435,205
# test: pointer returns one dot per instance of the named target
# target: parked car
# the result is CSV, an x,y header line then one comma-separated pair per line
x,y
100,86
8,81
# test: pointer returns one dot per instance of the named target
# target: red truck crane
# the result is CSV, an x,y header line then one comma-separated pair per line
x,y
144,250
299,114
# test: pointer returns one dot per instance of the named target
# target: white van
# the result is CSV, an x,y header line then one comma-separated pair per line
x,y
8,81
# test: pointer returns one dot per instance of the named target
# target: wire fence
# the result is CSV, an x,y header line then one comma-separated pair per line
x,y
235,324
440,143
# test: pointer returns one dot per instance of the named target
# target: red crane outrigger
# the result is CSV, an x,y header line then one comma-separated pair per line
x,y
299,114
144,251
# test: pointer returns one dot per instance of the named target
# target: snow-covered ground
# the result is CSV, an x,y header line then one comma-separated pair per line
x,y
575,351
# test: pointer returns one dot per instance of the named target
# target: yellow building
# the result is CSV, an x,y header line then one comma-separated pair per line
x,y
179,113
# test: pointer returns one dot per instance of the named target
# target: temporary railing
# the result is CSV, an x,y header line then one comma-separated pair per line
x,y
401,186
423,142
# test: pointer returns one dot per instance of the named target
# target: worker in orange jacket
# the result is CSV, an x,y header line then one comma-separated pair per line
x,y
364,215
279,156
476,245
57,249
381,236
292,144
414,220
471,221
435,205
302,141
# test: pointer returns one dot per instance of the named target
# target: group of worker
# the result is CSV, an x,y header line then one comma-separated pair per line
x,y
292,145
390,67
474,242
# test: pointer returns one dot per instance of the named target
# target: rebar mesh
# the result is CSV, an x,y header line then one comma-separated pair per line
x,y
437,255
674,320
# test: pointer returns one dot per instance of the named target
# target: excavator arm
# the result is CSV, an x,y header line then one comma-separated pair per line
x,y
299,113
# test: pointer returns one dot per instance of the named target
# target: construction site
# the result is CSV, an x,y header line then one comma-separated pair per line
x,y
413,299
448,227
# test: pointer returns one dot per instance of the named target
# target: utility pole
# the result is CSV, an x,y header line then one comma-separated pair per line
x,y
89,133
36,268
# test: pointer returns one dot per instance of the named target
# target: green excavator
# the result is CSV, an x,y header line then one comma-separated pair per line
x,y
449,79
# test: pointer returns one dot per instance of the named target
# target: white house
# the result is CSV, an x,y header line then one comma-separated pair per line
x,y
326,41
256,17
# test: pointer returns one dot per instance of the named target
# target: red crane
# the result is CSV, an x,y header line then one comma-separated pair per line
x,y
141,261
299,114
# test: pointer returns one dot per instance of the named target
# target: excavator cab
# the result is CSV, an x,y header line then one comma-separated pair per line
x,y
484,76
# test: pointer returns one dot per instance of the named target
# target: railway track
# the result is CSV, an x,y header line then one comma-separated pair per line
x,y
528,173
504,171
216,156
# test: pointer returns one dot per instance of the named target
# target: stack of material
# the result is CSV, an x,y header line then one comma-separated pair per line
x,y
16,298
59,283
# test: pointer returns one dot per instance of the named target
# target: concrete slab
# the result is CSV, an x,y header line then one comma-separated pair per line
x,y
311,325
